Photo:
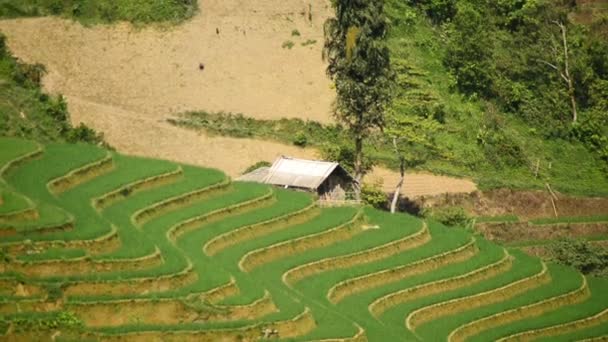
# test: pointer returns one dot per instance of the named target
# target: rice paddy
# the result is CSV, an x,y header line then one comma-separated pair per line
x,y
100,246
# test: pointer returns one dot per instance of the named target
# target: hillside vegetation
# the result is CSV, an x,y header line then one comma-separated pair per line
x,y
482,71
26,111
102,11
101,246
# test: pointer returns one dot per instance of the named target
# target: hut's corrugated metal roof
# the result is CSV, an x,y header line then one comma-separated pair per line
x,y
293,172
299,173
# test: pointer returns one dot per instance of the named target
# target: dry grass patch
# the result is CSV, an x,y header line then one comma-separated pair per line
x,y
134,286
82,265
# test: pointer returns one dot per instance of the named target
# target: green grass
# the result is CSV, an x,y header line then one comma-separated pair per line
x,y
570,219
497,219
564,280
102,11
333,321
49,216
12,202
595,304
13,148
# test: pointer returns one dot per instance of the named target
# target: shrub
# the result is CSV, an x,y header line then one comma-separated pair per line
x,y
288,44
83,133
309,42
295,33
450,216
582,255
373,195
28,75
300,139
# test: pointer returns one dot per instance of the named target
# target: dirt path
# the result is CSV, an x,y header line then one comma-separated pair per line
x,y
127,81
136,134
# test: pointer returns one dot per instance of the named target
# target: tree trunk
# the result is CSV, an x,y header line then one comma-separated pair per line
x,y
358,166
399,185
566,74
402,173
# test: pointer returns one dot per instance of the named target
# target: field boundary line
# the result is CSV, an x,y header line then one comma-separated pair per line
x,y
158,283
263,255
116,195
232,238
531,310
380,305
166,205
102,244
456,305
21,159
81,175
384,251
358,337
299,325
559,329
84,265
183,309
354,285
193,223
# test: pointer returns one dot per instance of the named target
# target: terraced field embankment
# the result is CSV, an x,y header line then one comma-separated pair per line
x,y
161,251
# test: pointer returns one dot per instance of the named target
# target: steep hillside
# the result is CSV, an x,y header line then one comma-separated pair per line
x,y
101,246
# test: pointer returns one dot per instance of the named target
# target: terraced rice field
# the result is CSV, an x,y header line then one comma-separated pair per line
x,y
101,246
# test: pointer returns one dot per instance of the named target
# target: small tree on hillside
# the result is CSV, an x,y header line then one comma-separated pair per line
x,y
412,140
359,64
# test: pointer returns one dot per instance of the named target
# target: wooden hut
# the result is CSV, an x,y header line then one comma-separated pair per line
x,y
328,179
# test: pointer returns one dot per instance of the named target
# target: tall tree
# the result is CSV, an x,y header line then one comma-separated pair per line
x,y
359,64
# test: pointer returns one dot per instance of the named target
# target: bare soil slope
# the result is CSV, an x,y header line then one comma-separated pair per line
x,y
126,81
155,70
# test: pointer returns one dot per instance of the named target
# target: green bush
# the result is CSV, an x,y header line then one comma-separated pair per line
x,y
582,255
83,133
450,216
28,75
300,139
373,195
288,44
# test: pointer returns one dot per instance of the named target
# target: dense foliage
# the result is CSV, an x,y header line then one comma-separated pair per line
x,y
359,64
582,255
26,111
521,54
138,11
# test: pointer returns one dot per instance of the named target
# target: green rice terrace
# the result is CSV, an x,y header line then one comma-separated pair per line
x,y
100,246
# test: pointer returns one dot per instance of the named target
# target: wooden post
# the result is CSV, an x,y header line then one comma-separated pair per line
x,y
552,197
